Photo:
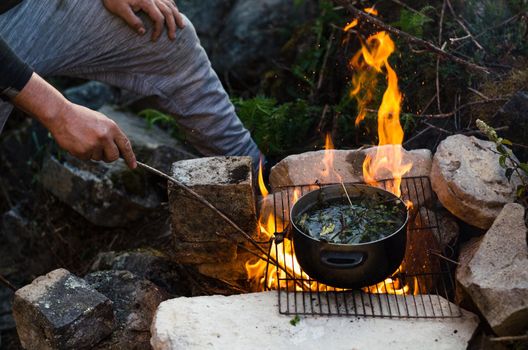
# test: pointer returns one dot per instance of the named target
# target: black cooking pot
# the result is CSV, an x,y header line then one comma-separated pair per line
x,y
347,265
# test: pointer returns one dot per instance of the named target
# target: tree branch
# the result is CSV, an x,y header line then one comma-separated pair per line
x,y
409,38
463,26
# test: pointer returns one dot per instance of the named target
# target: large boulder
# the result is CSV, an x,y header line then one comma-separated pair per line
x,y
92,94
253,33
494,272
469,181
112,195
107,195
208,17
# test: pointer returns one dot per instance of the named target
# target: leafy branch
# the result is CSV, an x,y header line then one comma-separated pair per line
x,y
507,159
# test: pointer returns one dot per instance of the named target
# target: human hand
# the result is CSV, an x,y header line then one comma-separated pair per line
x,y
90,135
161,12
84,133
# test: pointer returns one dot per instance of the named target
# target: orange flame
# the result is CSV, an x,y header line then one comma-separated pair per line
x,y
329,144
262,186
371,11
368,63
351,25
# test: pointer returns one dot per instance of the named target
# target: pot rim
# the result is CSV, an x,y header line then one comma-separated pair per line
x,y
402,227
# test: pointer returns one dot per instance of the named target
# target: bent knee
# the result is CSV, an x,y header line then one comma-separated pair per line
x,y
187,36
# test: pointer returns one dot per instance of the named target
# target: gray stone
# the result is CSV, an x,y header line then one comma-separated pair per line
x,y
135,301
112,195
310,167
107,195
226,182
253,33
92,94
146,263
191,253
61,311
494,272
251,321
469,181
208,18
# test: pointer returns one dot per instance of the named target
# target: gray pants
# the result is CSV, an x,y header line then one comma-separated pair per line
x,y
80,38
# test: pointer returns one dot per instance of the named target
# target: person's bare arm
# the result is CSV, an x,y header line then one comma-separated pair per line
x,y
161,12
84,133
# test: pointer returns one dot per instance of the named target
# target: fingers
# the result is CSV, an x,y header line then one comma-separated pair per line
x,y
177,15
111,152
169,19
97,154
125,149
133,21
156,16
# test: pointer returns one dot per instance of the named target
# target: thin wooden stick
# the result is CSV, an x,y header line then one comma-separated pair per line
x,y
325,59
463,26
459,108
7,284
348,197
206,203
409,38
509,339
411,9
442,46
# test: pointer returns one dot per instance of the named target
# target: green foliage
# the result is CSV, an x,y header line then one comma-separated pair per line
x,y
295,321
277,128
499,41
507,160
408,122
414,22
306,51
155,117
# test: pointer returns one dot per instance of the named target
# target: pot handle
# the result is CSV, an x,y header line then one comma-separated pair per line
x,y
342,260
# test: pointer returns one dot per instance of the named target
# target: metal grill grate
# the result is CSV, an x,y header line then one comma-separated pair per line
x,y
427,267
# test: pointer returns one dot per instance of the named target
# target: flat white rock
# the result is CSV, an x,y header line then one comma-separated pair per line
x,y
469,181
252,321
347,165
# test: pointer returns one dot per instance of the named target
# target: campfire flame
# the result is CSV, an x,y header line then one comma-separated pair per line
x,y
368,63
262,185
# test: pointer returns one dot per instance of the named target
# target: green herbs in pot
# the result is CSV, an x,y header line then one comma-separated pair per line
x,y
365,219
